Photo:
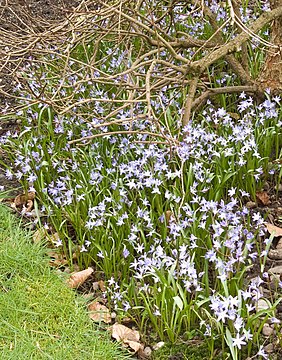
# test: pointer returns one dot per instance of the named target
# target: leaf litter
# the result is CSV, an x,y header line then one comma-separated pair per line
x,y
128,337
78,278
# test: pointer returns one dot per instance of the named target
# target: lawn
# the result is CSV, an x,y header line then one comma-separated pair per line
x,y
41,318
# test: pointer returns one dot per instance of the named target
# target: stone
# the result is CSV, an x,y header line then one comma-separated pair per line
x,y
275,254
267,330
262,305
147,351
251,205
158,345
276,270
145,354
269,348
279,244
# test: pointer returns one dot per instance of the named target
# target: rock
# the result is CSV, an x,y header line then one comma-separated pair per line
x,y
275,254
158,345
269,348
267,330
279,244
251,205
95,285
280,187
262,305
145,354
275,270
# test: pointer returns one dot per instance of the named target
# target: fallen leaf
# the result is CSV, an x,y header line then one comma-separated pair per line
x,y
274,230
127,336
263,197
57,259
27,207
22,199
39,235
79,277
99,312
54,239
168,215
121,332
134,345
234,115
102,285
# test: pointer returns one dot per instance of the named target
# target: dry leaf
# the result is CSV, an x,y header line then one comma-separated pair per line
x,y
169,217
263,197
234,115
99,312
28,207
39,235
57,259
54,238
134,345
79,278
102,285
22,199
275,230
121,332
127,336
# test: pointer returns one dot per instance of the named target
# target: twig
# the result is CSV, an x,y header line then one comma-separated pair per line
x,y
223,90
189,101
127,132
234,44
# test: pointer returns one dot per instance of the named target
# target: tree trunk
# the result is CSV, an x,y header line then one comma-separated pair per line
x,y
271,75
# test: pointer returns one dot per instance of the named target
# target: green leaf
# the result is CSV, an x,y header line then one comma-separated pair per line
x,y
178,302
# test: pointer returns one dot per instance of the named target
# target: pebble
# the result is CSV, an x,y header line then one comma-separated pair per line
x,y
279,244
147,351
266,186
158,345
95,285
251,205
269,348
267,330
275,270
275,254
262,305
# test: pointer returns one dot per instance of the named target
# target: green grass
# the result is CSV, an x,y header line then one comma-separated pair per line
x,y
187,351
41,318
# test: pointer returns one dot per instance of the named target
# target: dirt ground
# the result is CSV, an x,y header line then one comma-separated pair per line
x,y
21,18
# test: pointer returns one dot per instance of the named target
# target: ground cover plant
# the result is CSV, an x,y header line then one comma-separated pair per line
x,y
40,316
145,174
